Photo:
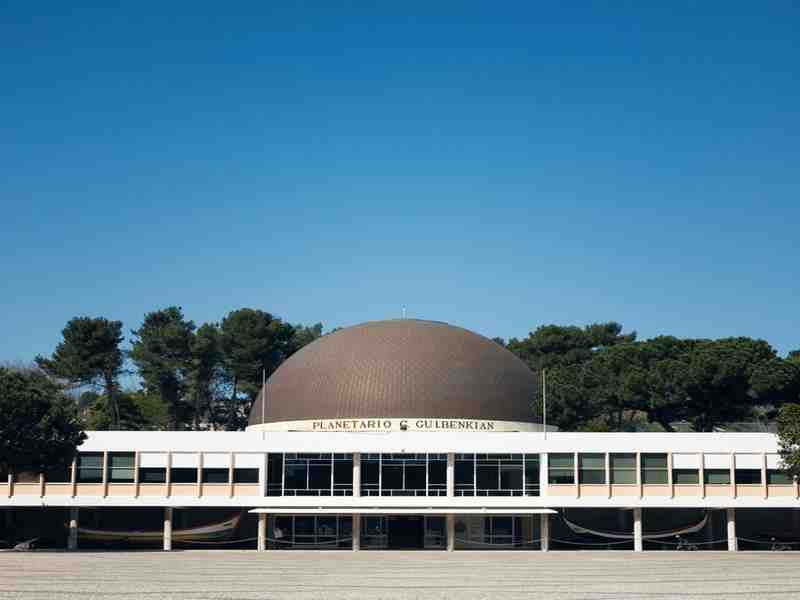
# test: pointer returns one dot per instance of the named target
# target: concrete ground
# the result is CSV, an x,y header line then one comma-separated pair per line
x,y
301,575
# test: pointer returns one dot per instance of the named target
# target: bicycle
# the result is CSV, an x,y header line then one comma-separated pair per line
x,y
778,547
684,544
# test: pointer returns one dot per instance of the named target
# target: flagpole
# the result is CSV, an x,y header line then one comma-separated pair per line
x,y
263,396
544,401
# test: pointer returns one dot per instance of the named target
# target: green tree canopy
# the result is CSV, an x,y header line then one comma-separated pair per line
x,y
161,349
89,354
39,426
139,411
203,377
557,345
252,342
789,438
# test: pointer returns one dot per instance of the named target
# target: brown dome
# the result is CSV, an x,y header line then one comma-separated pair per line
x,y
399,369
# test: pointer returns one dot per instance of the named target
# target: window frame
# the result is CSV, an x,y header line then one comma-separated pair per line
x,y
647,472
585,471
615,471
113,472
567,472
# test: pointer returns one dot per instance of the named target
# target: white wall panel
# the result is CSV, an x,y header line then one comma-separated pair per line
x,y
717,461
748,461
216,460
773,461
153,459
685,461
184,460
249,461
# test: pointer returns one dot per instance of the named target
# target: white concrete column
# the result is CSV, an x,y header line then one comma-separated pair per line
x,y
451,532
72,535
356,475
262,532
356,527
544,532
733,544
168,528
451,474
637,530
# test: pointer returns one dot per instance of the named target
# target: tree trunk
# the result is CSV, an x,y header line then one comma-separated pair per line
x,y
112,400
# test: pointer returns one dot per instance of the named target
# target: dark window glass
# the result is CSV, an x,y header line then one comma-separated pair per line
x,y
415,477
120,467
778,477
511,477
592,468
748,476
274,474
486,476
152,475
717,476
392,477
623,469
532,474
90,467
295,476
183,475
654,469
561,468
370,473
343,471
245,475
465,475
215,475
686,476
319,477
437,472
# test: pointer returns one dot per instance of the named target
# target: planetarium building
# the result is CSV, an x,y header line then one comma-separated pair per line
x,y
411,434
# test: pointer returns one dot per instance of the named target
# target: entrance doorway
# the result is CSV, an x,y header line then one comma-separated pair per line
x,y
406,532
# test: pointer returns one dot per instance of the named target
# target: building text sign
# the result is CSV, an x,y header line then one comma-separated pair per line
x,y
386,425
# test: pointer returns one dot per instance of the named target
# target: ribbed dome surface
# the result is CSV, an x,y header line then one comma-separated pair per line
x,y
397,369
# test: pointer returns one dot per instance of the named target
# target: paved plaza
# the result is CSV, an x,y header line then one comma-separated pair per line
x,y
245,575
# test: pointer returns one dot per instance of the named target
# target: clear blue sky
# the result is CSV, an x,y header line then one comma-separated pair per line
x,y
495,165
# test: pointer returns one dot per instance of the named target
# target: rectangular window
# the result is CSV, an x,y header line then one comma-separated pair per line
x,y
308,474
623,469
152,475
748,476
215,475
778,477
532,487
120,467
465,475
343,474
654,469
90,467
592,468
437,474
245,475
686,476
370,474
499,474
717,476
561,469
274,474
183,475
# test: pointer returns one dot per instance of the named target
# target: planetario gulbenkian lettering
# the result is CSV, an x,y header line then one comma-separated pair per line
x,y
409,434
